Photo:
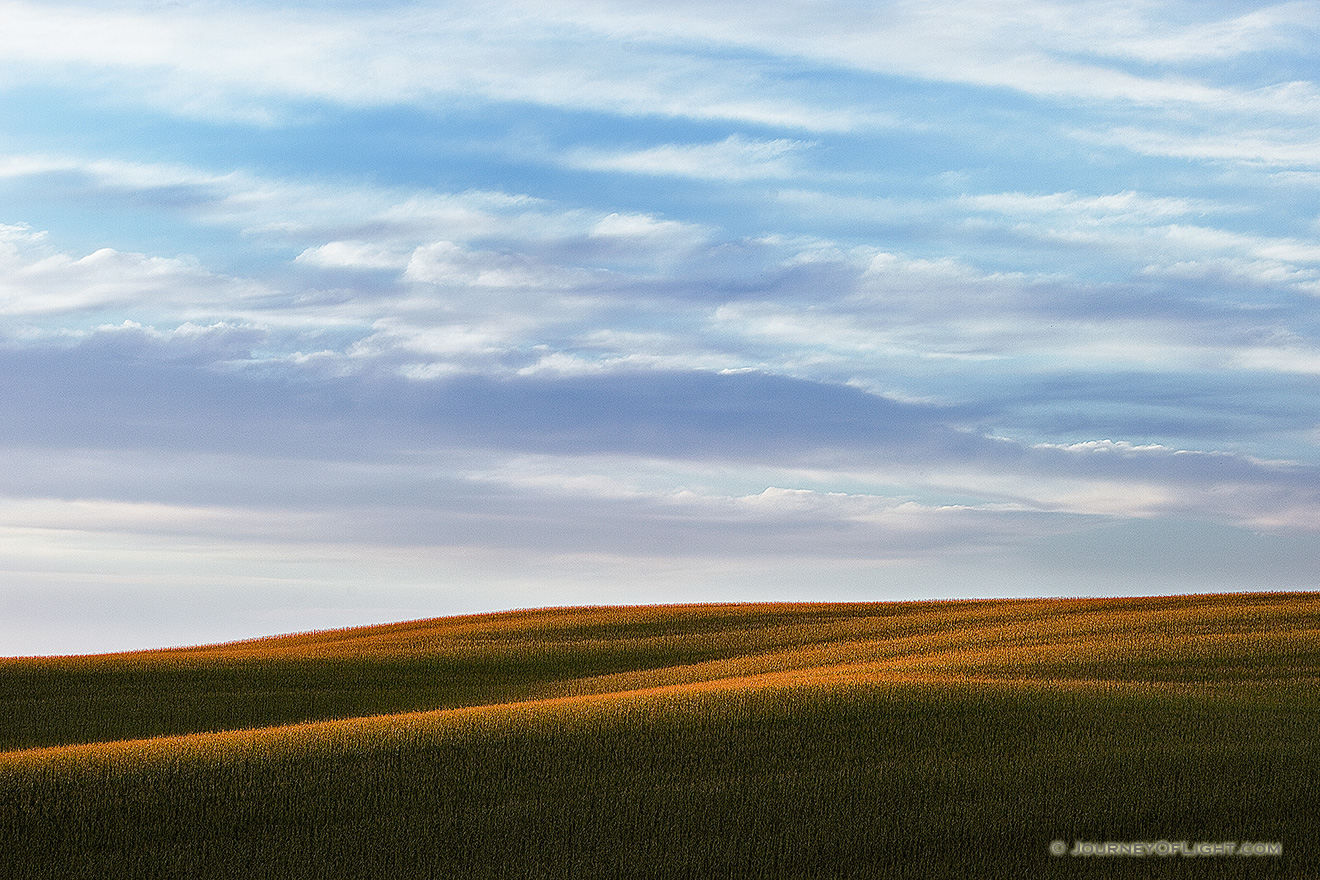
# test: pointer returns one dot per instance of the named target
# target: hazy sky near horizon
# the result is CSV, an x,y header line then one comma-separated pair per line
x,y
315,314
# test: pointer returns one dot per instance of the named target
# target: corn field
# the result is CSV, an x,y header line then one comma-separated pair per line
x,y
885,740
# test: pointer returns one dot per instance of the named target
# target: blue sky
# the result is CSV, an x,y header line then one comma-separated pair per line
x,y
314,315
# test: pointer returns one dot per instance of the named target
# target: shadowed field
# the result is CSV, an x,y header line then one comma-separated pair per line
x,y
931,739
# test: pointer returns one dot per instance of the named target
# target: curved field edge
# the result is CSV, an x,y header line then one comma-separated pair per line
x,y
659,704
1265,643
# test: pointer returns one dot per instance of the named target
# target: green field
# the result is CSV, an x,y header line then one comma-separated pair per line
x,y
886,740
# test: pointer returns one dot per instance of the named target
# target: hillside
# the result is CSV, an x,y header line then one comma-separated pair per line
x,y
918,739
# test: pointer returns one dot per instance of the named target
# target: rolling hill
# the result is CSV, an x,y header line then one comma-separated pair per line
x,y
909,739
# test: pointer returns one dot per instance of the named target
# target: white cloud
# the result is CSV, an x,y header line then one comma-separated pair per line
x,y
445,345
1284,358
1028,45
447,264
549,261
734,158
1293,146
549,293
1117,447
1151,236
646,227
353,255
340,214
1118,208
689,60
245,61
605,352
1123,32
1201,252
34,280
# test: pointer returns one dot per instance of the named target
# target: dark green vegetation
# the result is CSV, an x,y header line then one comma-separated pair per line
x,y
893,740
64,702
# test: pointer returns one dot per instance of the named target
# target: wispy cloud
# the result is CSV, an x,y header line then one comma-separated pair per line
x,y
630,58
249,62
734,158
1288,147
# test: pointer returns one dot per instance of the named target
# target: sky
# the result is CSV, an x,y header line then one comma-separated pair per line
x,y
317,314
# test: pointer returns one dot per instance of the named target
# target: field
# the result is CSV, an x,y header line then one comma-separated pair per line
x,y
879,740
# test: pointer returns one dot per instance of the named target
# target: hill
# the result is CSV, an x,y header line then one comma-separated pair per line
x,y
915,739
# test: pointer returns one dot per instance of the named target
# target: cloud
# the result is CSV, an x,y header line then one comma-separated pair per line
x,y
1041,48
353,255
198,392
1300,359
1124,33
249,63
649,230
446,264
732,159
1290,147
1128,208
528,284
37,281
626,58
1134,228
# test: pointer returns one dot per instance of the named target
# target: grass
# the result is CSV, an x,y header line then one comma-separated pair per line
x,y
886,740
